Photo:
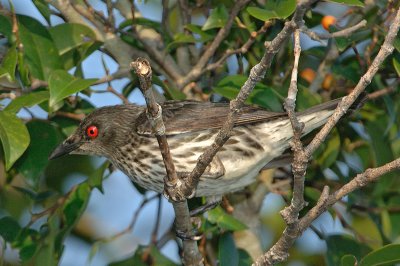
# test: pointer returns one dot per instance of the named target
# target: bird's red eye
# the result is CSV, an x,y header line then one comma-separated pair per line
x,y
92,132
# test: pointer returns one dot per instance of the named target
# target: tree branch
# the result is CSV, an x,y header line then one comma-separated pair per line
x,y
191,254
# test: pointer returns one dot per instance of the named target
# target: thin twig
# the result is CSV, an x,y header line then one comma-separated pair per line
x,y
196,71
242,50
342,33
299,166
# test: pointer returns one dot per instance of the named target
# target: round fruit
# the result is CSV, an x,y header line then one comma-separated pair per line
x,y
328,21
308,74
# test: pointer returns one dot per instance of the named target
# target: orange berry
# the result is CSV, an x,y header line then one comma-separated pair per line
x,y
308,74
328,82
328,21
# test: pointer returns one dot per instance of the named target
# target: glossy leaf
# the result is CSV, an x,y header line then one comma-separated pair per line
x,y
62,84
43,8
76,204
348,2
227,252
33,162
27,100
280,9
387,255
95,180
14,137
225,221
217,19
348,260
340,245
69,36
9,228
9,64
262,95
40,52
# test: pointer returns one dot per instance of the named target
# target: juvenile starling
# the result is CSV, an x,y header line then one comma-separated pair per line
x,y
123,134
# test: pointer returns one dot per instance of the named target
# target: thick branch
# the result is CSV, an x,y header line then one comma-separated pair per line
x,y
191,254
299,166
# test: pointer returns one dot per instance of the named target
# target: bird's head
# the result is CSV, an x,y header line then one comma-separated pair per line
x,y
101,131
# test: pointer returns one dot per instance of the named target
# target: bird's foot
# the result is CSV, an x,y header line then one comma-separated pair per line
x,y
179,190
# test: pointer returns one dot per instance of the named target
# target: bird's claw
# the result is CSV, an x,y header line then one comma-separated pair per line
x,y
195,236
178,191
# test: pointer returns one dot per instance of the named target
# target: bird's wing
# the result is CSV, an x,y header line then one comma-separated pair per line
x,y
190,116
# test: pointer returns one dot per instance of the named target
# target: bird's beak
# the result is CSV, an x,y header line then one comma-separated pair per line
x,y
64,148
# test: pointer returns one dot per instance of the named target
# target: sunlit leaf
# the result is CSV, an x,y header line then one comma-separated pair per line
x,y
14,137
348,260
273,9
348,2
224,220
62,84
387,255
365,226
217,19
69,36
40,52
7,68
43,8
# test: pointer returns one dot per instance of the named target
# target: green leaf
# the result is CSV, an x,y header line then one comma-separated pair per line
x,y
14,137
227,252
40,52
204,36
344,42
171,93
348,2
387,255
396,65
244,258
69,36
6,27
365,226
33,162
62,84
348,260
261,95
340,245
76,204
225,221
27,100
9,228
330,151
95,180
43,8
9,64
280,9
178,39
396,44
217,19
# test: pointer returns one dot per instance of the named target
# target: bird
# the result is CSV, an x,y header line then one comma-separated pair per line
x,y
123,134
